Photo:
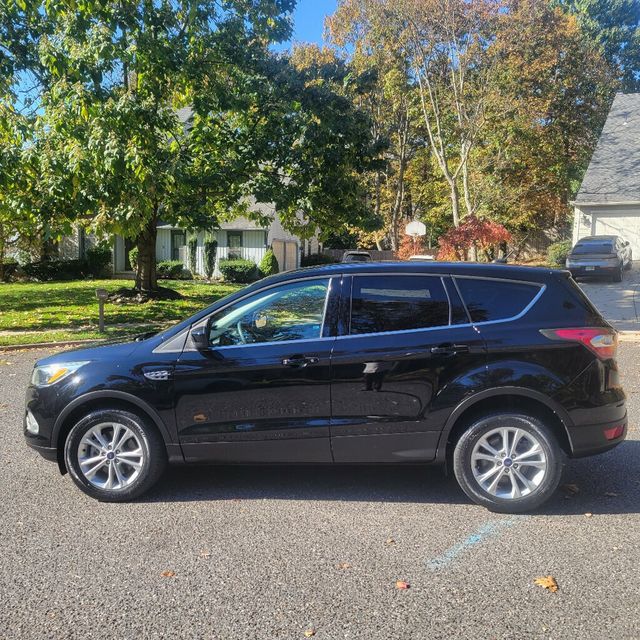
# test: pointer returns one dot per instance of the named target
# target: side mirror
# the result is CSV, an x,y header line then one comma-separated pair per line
x,y
200,337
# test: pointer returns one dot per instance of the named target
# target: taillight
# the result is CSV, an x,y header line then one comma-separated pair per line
x,y
601,340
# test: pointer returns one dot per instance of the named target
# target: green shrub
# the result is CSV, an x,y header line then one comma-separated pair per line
x,y
269,264
169,269
238,270
210,251
557,252
99,260
56,270
8,269
133,258
314,259
193,254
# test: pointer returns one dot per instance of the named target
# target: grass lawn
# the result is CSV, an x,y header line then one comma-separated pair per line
x,y
57,311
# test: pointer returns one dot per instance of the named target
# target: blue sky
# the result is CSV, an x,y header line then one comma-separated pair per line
x,y
308,20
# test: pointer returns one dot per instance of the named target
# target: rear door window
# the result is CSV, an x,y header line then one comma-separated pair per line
x,y
495,299
397,303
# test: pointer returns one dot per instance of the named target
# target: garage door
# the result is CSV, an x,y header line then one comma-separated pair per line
x,y
627,227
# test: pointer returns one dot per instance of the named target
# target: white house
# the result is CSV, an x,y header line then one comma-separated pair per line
x,y
608,202
240,238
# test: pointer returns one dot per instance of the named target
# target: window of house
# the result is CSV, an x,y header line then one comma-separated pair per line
x,y
178,240
293,311
397,303
495,299
234,242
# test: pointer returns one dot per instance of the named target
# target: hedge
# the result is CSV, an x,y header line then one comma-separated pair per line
x,y
315,259
239,270
170,269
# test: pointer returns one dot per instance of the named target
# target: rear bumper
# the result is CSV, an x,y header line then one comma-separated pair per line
x,y
587,440
593,272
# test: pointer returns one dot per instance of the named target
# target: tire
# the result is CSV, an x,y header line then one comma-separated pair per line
x,y
94,462
618,276
476,475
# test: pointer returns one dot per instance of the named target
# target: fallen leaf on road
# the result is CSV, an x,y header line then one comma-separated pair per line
x,y
205,554
310,632
168,573
611,494
401,584
571,488
547,582
390,541
344,565
588,514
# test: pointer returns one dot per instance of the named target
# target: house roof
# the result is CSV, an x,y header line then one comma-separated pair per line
x,y
614,171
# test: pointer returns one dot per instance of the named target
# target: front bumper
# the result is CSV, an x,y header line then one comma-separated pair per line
x,y
48,453
587,440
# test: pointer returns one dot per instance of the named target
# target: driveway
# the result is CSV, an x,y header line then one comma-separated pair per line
x,y
619,302
226,553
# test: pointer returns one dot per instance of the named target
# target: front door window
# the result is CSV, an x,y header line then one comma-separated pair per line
x,y
293,311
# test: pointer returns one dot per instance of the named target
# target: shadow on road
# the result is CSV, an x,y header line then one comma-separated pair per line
x,y
615,472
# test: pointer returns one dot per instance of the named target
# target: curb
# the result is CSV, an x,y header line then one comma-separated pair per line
x,y
49,345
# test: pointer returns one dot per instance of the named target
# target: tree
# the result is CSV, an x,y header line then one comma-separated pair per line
x,y
549,98
114,155
615,26
473,235
359,28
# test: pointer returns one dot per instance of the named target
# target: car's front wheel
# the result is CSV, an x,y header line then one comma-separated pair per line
x,y
507,462
114,455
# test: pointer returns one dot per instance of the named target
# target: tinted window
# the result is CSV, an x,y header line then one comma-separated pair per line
x,y
495,299
397,303
593,247
291,312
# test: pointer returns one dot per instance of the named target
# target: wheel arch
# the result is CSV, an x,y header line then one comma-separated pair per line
x,y
96,400
505,398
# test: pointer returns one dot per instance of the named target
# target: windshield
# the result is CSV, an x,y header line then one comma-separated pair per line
x,y
604,246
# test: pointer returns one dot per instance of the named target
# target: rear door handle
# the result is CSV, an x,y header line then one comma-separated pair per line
x,y
300,361
450,349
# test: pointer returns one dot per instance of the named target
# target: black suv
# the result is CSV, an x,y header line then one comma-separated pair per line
x,y
499,371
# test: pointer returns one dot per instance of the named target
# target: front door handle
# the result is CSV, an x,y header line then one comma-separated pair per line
x,y
450,349
300,361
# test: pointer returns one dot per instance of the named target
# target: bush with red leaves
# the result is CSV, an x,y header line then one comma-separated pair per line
x,y
484,235
410,246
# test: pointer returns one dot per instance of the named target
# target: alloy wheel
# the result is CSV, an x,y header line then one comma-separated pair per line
x,y
509,463
110,456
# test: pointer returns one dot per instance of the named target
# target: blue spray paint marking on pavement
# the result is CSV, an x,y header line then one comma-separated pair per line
x,y
486,531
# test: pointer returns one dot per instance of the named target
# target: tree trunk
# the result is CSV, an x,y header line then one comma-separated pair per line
x,y
146,280
455,203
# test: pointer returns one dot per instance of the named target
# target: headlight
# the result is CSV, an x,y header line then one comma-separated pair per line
x,y
48,374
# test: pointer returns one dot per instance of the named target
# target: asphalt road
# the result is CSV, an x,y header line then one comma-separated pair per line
x,y
258,553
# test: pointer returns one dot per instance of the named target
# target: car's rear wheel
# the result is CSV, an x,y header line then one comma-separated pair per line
x,y
617,277
508,462
114,455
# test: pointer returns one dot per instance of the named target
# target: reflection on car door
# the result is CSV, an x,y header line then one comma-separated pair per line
x,y
261,391
407,343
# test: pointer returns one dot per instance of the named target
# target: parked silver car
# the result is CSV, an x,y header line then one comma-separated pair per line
x,y
600,256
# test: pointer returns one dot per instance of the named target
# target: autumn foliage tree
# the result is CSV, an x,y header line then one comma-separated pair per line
x,y
474,236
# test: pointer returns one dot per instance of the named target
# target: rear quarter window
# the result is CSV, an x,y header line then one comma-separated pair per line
x,y
488,300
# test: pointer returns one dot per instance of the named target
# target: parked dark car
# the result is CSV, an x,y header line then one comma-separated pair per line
x,y
500,372
356,256
600,256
